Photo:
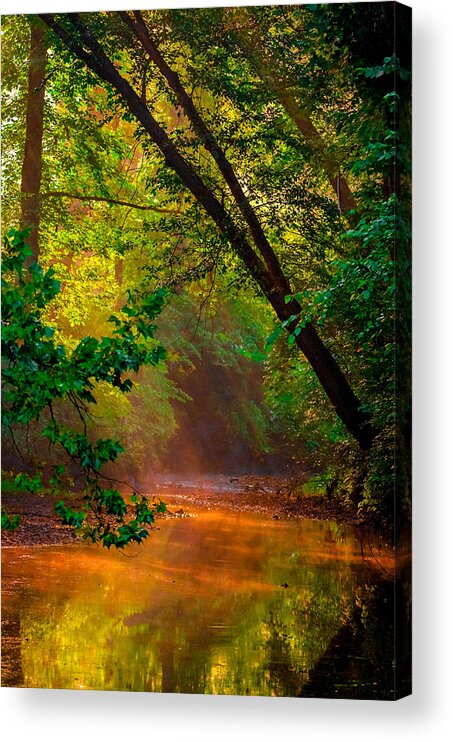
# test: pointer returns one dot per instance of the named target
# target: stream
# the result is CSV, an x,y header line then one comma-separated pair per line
x,y
224,602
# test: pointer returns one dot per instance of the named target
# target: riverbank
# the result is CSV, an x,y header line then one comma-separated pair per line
x,y
277,496
269,495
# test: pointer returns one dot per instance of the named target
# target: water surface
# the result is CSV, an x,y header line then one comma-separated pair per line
x,y
219,603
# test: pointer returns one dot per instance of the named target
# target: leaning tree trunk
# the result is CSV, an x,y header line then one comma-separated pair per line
x,y
32,162
278,288
263,266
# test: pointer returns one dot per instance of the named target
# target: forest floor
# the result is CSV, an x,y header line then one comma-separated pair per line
x,y
276,496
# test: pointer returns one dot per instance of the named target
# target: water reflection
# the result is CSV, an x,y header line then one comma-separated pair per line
x,y
222,603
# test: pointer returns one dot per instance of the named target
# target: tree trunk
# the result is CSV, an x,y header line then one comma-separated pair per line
x,y
268,274
32,162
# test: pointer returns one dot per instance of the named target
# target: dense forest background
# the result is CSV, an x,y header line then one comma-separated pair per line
x,y
221,198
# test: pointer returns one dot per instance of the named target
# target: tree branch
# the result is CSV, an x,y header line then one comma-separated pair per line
x,y
81,197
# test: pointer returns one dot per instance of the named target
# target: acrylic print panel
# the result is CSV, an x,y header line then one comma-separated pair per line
x,y
206,350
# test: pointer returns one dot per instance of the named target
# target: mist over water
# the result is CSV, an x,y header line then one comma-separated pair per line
x,y
220,603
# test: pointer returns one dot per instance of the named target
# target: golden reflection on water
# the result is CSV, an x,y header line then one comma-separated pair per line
x,y
221,603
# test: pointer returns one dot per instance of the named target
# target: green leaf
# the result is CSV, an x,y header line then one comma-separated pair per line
x,y
273,337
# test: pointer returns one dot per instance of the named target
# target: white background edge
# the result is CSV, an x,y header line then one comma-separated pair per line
x,y
80,715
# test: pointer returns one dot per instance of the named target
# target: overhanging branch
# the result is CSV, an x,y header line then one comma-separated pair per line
x,y
115,201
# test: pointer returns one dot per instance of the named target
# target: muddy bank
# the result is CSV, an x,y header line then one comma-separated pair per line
x,y
38,523
268,495
39,526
